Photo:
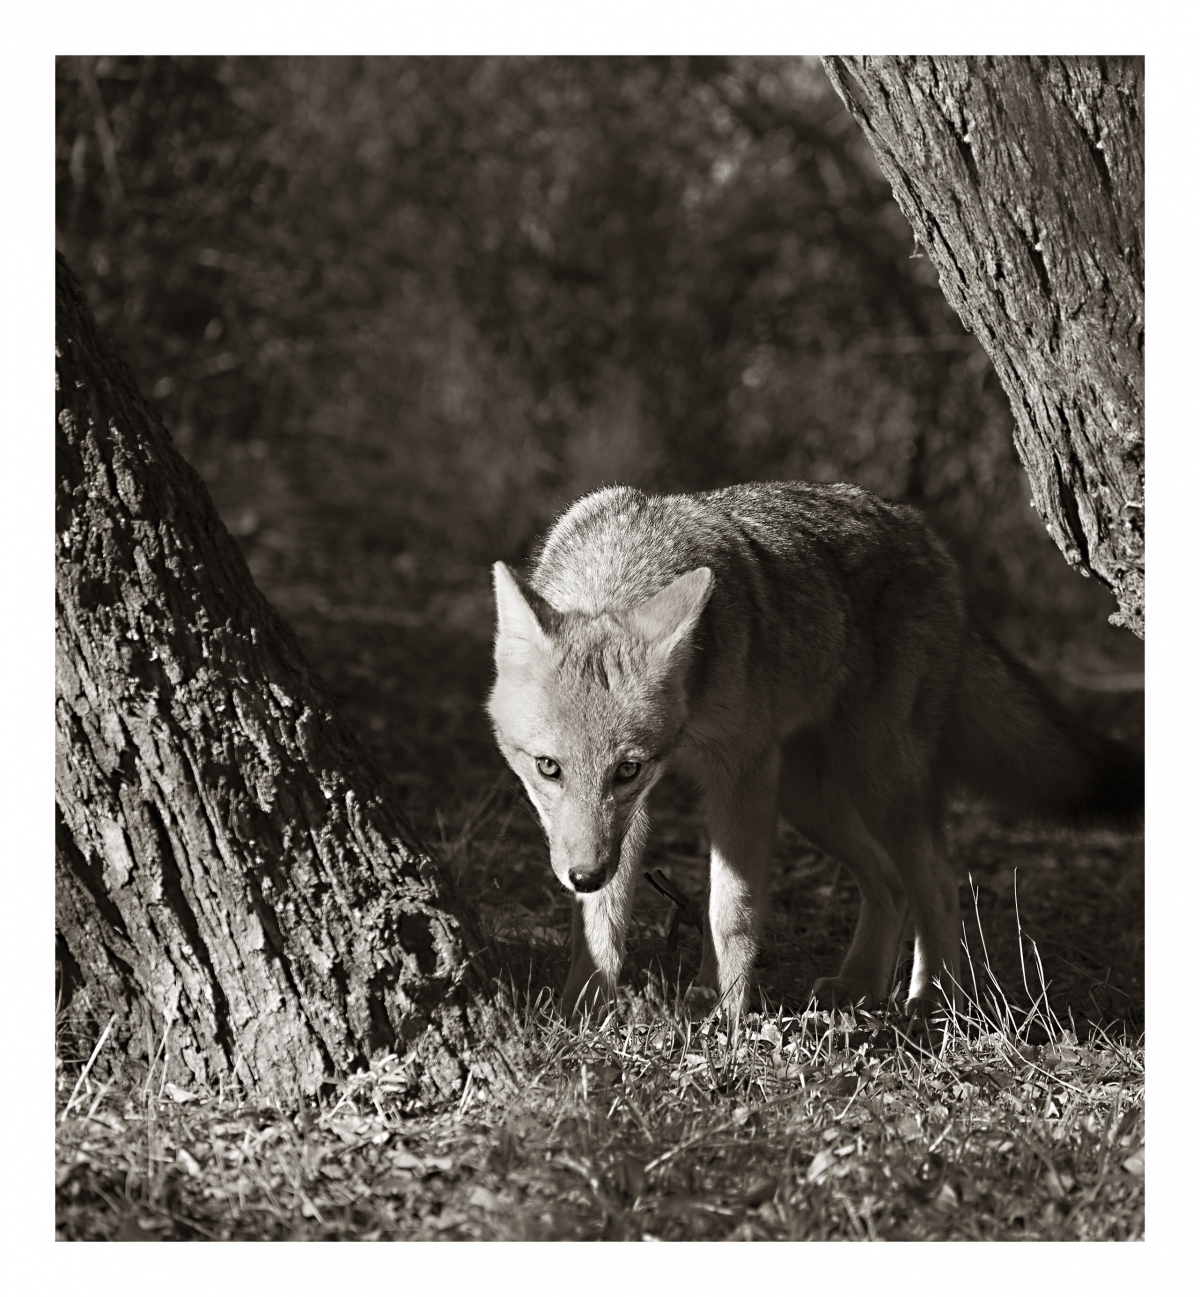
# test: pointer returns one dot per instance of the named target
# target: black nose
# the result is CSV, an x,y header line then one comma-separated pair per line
x,y
586,880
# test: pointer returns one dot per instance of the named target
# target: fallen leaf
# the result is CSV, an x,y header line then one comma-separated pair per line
x,y
1135,1163
819,1165
348,1129
179,1095
189,1163
760,1191
771,1034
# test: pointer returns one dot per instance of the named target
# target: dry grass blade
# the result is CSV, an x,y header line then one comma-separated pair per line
x,y
88,1067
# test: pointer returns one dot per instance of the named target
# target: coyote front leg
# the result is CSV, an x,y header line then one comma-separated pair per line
x,y
741,825
599,923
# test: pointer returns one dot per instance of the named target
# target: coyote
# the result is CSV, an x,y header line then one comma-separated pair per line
x,y
796,649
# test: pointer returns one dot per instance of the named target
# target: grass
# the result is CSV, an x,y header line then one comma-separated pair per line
x,y
1002,1124
646,1125
1023,1119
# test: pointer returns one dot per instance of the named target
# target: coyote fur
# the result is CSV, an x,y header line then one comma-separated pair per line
x,y
796,649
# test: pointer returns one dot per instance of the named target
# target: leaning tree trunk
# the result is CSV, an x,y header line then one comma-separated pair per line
x,y
1023,180
228,861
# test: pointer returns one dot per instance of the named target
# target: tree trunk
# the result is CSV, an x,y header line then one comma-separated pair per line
x,y
228,861
1023,181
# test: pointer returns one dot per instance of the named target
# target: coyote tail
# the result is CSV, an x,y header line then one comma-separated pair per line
x,y
1009,741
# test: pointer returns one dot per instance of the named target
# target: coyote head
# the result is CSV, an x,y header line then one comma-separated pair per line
x,y
586,710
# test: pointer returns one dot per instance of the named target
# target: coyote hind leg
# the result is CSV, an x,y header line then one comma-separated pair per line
x,y
933,896
826,814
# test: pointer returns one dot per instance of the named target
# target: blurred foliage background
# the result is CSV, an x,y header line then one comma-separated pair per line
x,y
400,312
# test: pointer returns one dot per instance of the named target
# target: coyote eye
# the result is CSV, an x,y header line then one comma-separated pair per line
x,y
548,767
628,770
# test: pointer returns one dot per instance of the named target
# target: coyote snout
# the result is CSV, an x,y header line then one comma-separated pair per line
x,y
585,845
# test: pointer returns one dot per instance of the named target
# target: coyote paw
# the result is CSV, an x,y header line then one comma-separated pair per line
x,y
919,1026
923,1006
835,993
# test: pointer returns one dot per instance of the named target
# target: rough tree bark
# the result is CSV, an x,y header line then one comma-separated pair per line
x,y
1023,181
228,861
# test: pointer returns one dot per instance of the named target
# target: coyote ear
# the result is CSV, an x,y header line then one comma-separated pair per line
x,y
518,624
669,617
